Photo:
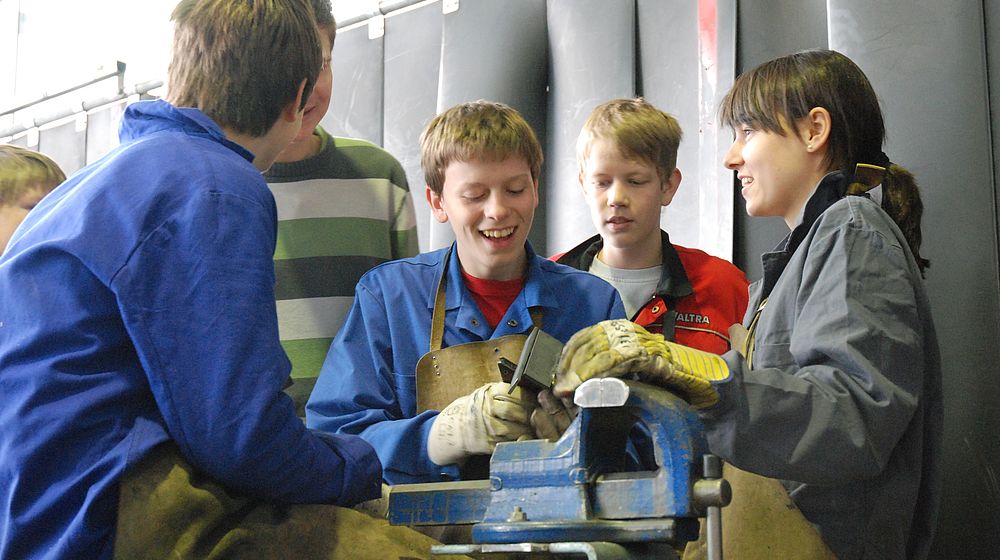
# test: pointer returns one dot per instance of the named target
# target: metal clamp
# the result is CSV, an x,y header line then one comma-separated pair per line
x,y
711,494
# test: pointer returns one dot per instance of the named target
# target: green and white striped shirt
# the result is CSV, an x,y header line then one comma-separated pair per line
x,y
340,213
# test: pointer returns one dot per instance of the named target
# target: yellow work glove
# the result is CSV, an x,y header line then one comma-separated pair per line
x,y
619,347
475,423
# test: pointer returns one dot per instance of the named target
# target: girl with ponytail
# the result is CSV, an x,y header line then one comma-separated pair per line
x,y
837,393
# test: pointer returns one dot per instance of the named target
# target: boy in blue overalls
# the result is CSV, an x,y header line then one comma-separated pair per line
x,y
409,332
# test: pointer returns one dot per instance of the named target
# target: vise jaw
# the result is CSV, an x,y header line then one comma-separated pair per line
x,y
578,489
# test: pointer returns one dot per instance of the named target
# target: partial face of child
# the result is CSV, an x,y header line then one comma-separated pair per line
x,y
490,206
319,99
12,215
777,172
625,197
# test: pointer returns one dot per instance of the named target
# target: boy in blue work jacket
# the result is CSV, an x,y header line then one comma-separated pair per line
x,y
481,162
142,412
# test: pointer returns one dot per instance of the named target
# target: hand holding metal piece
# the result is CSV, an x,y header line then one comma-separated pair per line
x,y
619,348
475,423
552,416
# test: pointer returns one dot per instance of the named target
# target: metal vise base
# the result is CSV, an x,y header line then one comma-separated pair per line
x,y
577,489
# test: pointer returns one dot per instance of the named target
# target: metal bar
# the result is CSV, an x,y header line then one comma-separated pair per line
x,y
712,470
120,73
139,89
385,8
439,503
591,550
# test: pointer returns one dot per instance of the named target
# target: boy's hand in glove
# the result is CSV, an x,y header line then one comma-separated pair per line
x,y
619,347
475,423
552,416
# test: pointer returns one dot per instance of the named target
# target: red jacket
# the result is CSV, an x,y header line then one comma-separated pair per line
x,y
699,296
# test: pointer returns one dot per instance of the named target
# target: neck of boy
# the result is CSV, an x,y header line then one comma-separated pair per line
x,y
262,147
299,150
634,257
496,269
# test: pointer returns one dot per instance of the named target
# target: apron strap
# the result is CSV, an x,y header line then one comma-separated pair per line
x,y
751,340
437,319
666,321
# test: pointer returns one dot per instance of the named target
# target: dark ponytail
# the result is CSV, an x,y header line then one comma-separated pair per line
x,y
901,200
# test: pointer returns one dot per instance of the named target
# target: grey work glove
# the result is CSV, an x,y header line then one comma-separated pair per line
x,y
552,416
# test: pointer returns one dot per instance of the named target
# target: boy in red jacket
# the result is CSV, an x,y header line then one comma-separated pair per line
x,y
627,152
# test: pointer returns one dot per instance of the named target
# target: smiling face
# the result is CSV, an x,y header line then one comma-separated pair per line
x,y
625,197
490,205
777,172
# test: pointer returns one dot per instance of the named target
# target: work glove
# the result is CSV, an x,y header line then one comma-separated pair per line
x,y
620,348
475,423
552,416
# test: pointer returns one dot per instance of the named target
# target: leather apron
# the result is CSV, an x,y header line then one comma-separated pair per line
x,y
761,522
167,509
445,374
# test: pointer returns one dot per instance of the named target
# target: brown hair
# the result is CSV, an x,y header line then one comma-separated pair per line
x,y
640,130
241,61
22,169
324,19
789,87
476,130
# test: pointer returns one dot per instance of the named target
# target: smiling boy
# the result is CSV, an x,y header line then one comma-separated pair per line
x,y
481,162
627,153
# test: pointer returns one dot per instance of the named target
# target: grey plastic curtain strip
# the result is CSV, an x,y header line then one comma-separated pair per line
x,y
384,9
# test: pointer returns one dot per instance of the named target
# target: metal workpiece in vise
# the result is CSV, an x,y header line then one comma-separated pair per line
x,y
576,497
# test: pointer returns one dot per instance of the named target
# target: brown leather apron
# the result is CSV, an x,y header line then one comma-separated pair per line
x,y
761,522
445,374
167,509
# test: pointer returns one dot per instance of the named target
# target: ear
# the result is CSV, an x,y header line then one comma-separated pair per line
x,y
293,110
669,187
434,199
579,179
814,129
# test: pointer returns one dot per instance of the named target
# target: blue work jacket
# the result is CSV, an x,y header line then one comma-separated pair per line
x,y
137,307
367,385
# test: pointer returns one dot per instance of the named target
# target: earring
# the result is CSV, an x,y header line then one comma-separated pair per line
x,y
809,148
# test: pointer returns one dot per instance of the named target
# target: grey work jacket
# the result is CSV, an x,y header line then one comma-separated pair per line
x,y
843,403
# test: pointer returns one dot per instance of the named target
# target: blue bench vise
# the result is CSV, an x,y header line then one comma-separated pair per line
x,y
575,495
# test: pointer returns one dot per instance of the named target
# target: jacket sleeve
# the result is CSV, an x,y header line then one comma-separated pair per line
x,y
360,391
835,394
197,298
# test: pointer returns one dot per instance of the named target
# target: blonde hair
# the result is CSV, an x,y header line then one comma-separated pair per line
x,y
484,130
638,129
22,169
241,61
